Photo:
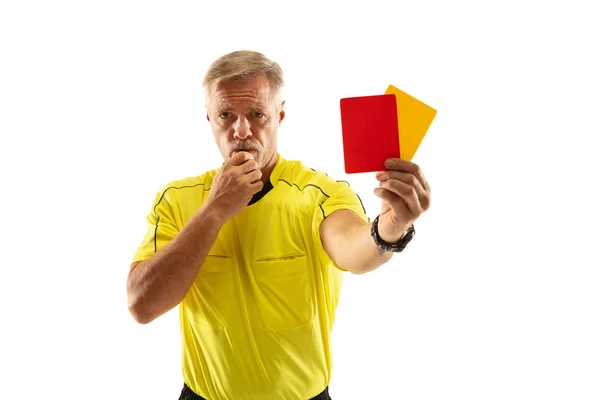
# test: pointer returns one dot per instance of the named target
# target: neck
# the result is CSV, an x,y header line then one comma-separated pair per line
x,y
268,169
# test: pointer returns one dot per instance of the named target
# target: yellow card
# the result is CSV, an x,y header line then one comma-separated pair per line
x,y
414,119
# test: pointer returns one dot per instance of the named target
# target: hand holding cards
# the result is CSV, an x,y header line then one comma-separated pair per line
x,y
375,128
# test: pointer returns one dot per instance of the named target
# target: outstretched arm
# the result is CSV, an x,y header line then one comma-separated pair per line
x,y
405,195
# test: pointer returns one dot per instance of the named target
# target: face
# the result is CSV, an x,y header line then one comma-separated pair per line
x,y
246,116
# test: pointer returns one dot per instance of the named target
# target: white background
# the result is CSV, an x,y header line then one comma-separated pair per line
x,y
498,296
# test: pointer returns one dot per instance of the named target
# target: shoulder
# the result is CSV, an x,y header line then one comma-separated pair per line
x,y
296,173
187,186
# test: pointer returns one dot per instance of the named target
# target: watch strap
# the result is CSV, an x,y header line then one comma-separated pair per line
x,y
391,247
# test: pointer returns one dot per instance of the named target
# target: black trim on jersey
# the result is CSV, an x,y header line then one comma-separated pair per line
x,y
359,199
347,183
257,196
325,194
159,200
309,184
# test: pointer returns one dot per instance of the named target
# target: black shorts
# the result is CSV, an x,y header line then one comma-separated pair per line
x,y
188,394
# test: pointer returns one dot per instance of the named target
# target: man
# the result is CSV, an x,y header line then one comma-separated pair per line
x,y
254,252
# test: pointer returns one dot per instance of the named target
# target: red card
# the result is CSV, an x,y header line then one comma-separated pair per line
x,y
369,132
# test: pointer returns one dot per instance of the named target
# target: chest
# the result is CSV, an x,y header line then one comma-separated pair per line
x,y
276,227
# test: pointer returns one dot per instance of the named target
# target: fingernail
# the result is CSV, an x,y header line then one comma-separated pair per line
x,y
389,163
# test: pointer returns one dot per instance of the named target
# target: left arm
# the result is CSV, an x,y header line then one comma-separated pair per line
x,y
405,195
348,242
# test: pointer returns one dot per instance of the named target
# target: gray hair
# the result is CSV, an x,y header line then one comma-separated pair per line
x,y
243,66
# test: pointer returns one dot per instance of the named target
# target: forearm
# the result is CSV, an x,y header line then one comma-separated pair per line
x,y
362,254
159,283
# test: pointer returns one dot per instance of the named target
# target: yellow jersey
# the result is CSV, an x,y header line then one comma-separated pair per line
x,y
257,321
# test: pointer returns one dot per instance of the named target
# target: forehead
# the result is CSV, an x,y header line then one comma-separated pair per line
x,y
256,91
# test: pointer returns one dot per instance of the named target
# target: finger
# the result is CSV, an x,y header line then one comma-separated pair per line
x,y
240,157
410,179
406,192
397,164
249,166
257,186
421,177
254,176
392,200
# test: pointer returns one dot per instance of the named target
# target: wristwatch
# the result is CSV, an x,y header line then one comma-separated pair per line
x,y
385,246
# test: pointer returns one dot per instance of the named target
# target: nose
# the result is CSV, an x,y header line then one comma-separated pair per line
x,y
241,128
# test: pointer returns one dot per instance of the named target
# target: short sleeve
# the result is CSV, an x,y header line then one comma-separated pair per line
x,y
161,228
340,197
343,198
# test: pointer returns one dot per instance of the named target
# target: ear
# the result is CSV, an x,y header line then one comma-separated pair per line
x,y
281,112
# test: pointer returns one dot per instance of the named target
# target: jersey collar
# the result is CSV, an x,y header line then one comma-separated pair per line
x,y
277,170
273,179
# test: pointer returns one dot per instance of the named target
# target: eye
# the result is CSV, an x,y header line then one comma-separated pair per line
x,y
225,115
257,115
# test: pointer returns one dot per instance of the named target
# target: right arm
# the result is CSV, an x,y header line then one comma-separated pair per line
x,y
156,285
159,283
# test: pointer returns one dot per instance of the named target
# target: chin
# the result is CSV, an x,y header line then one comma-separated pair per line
x,y
259,162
